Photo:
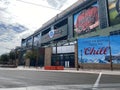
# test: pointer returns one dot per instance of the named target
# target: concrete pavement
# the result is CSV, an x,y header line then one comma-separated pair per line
x,y
30,78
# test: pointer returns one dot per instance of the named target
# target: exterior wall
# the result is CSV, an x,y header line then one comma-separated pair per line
x,y
100,66
27,62
100,32
48,54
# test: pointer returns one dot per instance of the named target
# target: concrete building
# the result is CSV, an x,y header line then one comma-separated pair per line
x,y
56,40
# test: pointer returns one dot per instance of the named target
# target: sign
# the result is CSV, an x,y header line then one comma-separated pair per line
x,y
55,34
114,11
96,49
93,50
86,20
51,33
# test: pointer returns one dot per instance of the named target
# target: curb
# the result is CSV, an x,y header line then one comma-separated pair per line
x,y
66,70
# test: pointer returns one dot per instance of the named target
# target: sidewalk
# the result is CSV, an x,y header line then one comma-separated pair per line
x,y
69,70
73,70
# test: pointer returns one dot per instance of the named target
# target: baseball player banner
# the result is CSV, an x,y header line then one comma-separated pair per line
x,y
86,20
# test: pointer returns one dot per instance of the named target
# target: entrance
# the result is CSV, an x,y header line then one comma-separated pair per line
x,y
67,60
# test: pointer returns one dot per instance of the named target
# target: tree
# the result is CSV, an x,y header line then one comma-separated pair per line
x,y
4,59
30,56
12,55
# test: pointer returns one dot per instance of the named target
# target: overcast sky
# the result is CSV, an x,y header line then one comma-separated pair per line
x,y
20,18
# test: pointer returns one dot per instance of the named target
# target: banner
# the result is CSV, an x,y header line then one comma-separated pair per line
x,y
114,11
98,49
86,20
93,50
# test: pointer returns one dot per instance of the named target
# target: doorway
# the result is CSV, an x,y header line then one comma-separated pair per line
x,y
65,59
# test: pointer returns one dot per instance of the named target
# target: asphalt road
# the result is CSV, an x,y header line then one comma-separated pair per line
x,y
58,80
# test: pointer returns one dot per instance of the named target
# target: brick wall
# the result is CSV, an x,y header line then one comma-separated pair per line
x,y
48,53
100,66
76,55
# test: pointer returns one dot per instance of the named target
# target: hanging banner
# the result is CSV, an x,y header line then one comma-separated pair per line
x,y
93,50
114,11
86,20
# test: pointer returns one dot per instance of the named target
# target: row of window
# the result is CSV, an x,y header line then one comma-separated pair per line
x,y
35,40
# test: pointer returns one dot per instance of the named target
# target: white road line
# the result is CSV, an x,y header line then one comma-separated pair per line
x,y
97,81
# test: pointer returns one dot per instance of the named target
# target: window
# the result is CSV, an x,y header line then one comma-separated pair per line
x,y
45,31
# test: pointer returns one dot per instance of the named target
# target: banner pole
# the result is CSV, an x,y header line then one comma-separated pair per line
x,y
111,64
77,54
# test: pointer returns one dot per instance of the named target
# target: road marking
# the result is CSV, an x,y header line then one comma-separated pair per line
x,y
97,81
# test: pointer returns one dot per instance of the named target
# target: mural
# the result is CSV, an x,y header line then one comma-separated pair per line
x,y
96,49
114,11
86,20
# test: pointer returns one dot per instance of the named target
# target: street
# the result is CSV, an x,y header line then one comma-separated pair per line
x,y
46,80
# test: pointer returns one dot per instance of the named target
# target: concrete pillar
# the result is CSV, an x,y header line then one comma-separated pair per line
x,y
76,55
27,62
48,55
17,62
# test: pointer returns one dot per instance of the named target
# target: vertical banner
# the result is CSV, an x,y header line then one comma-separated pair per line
x,y
114,11
86,20
115,48
93,50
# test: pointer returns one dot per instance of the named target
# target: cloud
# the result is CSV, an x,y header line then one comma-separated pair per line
x,y
13,26
20,19
56,3
9,36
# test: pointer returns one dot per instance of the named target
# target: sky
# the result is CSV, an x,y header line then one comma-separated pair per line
x,y
21,18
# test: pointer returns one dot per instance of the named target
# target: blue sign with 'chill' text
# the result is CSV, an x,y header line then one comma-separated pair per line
x,y
98,49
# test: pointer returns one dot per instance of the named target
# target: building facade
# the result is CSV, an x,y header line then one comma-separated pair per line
x,y
57,38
